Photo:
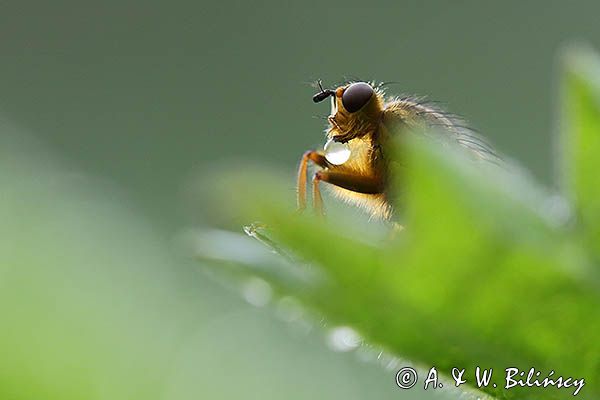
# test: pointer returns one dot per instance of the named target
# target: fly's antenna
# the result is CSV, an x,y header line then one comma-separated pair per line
x,y
323,94
320,83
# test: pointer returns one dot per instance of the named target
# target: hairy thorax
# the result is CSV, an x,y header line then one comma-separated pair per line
x,y
365,160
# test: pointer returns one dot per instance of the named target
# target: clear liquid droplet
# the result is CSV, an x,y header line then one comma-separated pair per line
x,y
336,153
343,339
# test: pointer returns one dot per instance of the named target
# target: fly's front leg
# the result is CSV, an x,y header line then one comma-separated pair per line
x,y
319,159
355,183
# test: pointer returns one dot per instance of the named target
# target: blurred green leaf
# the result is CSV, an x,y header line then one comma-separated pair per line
x,y
86,299
581,137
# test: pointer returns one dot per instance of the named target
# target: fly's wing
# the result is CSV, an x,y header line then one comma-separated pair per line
x,y
418,113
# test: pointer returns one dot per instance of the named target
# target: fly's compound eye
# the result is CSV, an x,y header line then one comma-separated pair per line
x,y
356,96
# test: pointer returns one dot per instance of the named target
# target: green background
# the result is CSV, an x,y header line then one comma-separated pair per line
x,y
144,96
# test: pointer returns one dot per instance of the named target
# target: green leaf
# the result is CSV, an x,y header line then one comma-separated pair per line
x,y
581,137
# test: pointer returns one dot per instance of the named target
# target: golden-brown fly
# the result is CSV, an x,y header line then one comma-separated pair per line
x,y
356,158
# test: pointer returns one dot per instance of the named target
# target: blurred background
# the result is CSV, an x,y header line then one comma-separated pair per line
x,y
124,102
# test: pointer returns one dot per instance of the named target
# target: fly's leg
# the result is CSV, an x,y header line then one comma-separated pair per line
x,y
317,199
319,159
356,183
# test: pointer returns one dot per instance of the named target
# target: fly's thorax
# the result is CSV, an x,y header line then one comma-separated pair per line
x,y
357,156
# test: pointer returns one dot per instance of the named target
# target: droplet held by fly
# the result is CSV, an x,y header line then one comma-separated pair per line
x,y
336,153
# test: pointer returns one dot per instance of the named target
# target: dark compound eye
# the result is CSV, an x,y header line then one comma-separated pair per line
x,y
356,96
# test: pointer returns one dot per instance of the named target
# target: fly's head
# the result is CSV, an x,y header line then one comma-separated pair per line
x,y
356,110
